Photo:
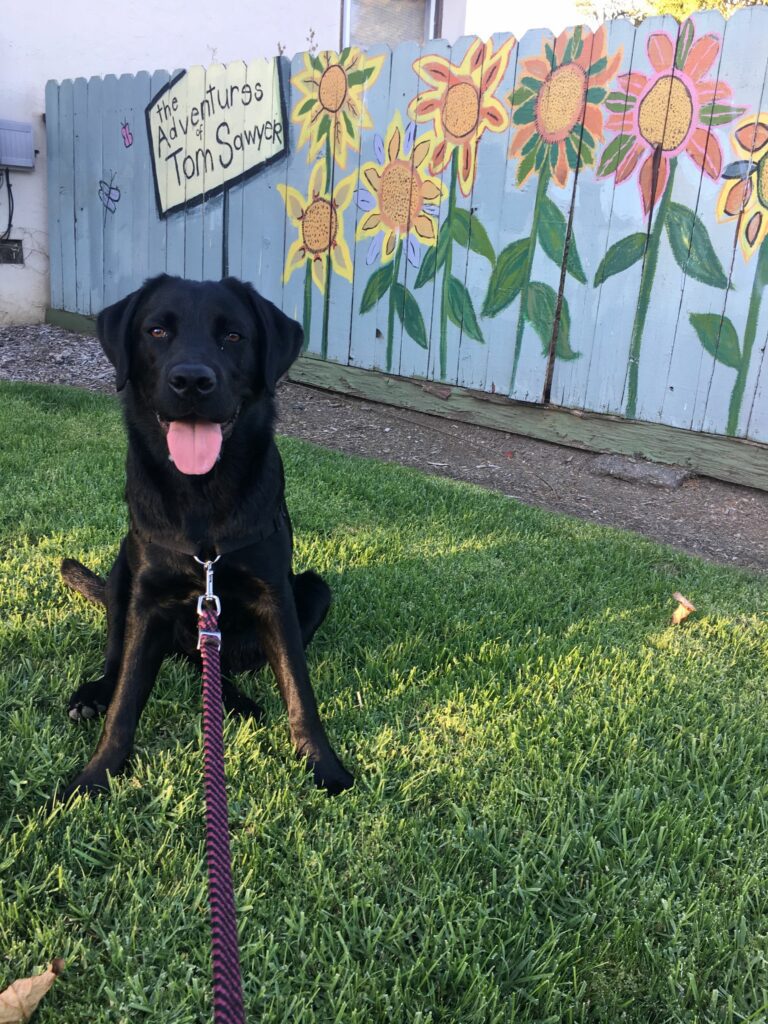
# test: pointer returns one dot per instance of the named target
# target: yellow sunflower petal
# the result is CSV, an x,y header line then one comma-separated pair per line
x,y
370,222
341,261
424,227
294,202
344,191
316,181
373,176
393,146
431,190
421,152
296,258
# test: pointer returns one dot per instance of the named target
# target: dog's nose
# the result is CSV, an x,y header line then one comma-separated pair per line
x,y
191,379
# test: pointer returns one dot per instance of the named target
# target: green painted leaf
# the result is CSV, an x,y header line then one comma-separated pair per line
x,y
434,257
324,127
461,311
618,102
360,76
306,107
469,233
614,153
521,95
597,67
542,302
317,64
349,126
344,54
620,256
692,247
410,314
719,113
526,164
531,83
552,230
595,95
378,284
507,278
684,43
526,113
541,311
718,336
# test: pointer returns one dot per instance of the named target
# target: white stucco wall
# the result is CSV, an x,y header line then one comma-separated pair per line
x,y
44,39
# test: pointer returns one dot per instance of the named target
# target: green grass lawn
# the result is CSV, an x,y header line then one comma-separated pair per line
x,y
561,806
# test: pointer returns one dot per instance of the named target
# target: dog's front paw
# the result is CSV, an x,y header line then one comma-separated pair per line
x,y
85,784
90,700
329,773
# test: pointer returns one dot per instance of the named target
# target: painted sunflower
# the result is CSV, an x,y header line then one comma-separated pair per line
x,y
320,224
557,101
667,113
398,197
331,100
745,193
461,104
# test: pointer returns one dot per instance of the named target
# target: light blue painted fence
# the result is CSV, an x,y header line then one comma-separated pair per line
x,y
578,220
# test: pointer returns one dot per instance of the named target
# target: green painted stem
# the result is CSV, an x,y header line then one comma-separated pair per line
x,y
447,269
750,332
644,298
522,317
391,317
307,318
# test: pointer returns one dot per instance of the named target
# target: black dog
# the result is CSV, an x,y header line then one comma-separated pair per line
x,y
197,364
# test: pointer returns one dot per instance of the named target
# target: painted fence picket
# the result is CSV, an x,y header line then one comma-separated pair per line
x,y
80,197
66,198
368,343
593,201
136,142
53,170
157,236
91,175
377,62
683,287
716,382
426,283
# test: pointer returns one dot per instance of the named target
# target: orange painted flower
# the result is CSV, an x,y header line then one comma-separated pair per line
x,y
745,193
667,113
461,104
557,103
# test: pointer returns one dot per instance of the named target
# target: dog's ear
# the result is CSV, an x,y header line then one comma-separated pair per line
x,y
114,325
280,337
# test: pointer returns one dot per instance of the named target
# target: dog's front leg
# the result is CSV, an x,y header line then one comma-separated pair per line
x,y
146,643
281,639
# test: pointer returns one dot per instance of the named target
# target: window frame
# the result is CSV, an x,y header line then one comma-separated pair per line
x,y
434,19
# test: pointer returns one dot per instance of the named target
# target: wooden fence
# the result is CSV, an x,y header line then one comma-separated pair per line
x,y
574,221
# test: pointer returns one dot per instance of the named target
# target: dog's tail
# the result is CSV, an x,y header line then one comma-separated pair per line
x,y
85,582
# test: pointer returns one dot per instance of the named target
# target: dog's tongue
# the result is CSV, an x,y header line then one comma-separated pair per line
x,y
194,446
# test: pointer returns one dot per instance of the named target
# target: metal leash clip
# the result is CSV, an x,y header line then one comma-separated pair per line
x,y
208,602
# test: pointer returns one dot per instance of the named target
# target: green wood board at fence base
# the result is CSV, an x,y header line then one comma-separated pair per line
x,y
724,458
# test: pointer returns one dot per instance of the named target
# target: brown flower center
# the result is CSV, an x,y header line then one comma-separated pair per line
x,y
333,88
461,109
561,102
318,226
666,113
399,195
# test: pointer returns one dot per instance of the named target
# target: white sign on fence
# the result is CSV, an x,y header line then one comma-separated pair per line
x,y
210,128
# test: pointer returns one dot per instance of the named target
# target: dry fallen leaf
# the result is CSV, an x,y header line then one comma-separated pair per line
x,y
19,1001
683,610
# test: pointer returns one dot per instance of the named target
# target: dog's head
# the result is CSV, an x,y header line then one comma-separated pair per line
x,y
196,353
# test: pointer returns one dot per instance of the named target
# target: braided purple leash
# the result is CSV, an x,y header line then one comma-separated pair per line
x,y
227,983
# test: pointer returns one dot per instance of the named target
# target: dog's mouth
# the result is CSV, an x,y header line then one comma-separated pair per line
x,y
194,445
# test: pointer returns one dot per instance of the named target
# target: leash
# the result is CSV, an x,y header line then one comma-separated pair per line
x,y
227,982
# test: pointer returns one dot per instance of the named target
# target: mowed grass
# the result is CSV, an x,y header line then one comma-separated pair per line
x,y
561,807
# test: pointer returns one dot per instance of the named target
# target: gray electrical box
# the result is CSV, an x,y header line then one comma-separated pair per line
x,y
17,147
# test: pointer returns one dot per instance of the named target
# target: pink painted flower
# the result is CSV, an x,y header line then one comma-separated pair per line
x,y
672,111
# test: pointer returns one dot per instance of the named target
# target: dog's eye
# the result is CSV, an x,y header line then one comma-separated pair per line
x,y
233,336
158,332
